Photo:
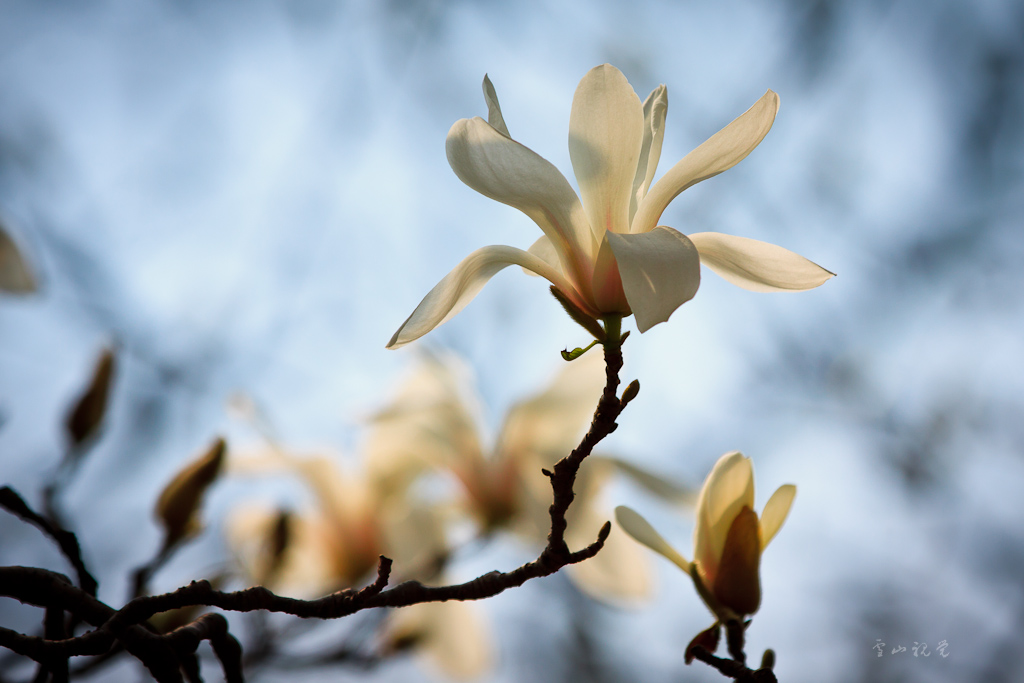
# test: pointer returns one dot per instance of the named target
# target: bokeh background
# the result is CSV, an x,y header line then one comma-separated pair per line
x,y
251,197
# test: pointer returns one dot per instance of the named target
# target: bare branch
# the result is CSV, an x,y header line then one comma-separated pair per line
x,y
67,541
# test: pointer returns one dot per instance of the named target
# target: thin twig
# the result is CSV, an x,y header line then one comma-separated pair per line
x,y
67,541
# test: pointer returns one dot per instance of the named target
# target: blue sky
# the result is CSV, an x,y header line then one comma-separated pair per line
x,y
252,198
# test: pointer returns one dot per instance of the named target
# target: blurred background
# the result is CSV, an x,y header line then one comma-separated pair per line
x,y
251,197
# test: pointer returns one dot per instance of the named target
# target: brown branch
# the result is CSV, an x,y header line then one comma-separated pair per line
x,y
67,541
214,628
163,655
735,668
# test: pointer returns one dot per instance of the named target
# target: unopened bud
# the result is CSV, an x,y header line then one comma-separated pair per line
x,y
630,392
768,659
86,417
178,506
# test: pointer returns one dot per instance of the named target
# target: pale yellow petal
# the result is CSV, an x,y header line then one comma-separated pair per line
x,y
460,286
655,110
757,266
642,531
504,170
494,116
665,489
775,512
431,422
453,636
660,271
605,135
544,250
728,488
548,425
720,152
621,571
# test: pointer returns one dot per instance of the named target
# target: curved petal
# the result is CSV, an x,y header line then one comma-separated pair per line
x,y
545,250
504,170
548,425
494,117
720,152
642,531
621,571
738,583
452,635
775,512
606,283
655,110
757,266
666,490
728,488
450,295
660,271
606,132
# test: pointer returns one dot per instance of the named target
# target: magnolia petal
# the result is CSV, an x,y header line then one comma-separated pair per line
x,y
544,250
430,423
548,425
606,283
494,116
728,488
737,584
660,271
720,152
757,266
621,571
775,512
606,132
655,110
642,531
457,289
452,635
504,170
666,490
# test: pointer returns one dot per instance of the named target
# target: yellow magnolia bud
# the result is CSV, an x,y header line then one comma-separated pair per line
x,y
728,540
178,506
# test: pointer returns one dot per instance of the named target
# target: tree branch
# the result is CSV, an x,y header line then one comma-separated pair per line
x,y
164,655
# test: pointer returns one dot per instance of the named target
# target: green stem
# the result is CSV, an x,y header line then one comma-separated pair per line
x,y
612,331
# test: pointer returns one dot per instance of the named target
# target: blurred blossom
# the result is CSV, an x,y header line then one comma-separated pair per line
x,y
452,636
336,542
355,519
433,424
607,254
728,539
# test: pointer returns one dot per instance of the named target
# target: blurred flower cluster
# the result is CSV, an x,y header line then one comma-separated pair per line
x,y
429,483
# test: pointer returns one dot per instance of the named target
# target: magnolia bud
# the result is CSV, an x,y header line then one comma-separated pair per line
x,y
86,417
178,506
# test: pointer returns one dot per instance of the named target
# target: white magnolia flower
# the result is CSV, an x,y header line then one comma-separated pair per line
x,y
607,253
728,540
